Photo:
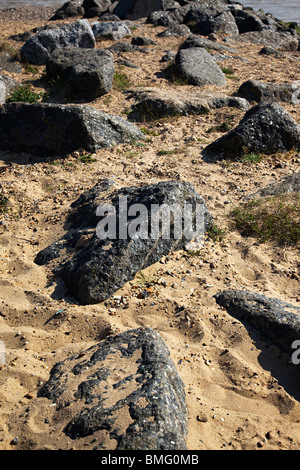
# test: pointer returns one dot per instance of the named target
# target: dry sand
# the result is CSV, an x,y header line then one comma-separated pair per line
x,y
241,391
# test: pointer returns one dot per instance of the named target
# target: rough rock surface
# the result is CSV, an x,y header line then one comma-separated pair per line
x,y
197,66
68,9
197,41
125,392
38,48
280,40
56,130
256,90
85,73
277,320
110,30
154,103
289,184
96,270
265,128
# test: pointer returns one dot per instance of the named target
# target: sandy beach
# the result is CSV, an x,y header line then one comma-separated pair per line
x,y
242,392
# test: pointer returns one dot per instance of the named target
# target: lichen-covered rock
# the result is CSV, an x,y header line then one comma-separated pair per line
x,y
256,90
57,130
38,48
265,128
84,73
275,319
124,391
110,30
94,270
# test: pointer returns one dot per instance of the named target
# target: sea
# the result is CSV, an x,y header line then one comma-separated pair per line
x,y
288,10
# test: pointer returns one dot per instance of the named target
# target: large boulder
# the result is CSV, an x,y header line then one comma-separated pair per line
x,y
265,128
256,90
134,9
38,48
85,73
155,103
275,319
57,130
124,392
68,9
222,23
196,41
197,66
94,270
280,40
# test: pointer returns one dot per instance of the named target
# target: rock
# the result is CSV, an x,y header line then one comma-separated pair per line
x,y
223,23
177,30
69,9
255,90
86,73
198,67
110,30
125,392
135,9
123,46
96,271
57,130
265,128
156,103
7,84
289,184
280,40
142,41
268,50
38,48
94,8
8,64
247,21
197,13
168,56
195,41
277,320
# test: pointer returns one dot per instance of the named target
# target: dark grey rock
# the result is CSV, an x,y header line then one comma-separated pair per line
x,y
177,30
110,30
255,90
247,21
94,8
135,9
168,56
86,73
69,9
38,48
196,41
122,46
223,23
280,40
268,50
57,130
9,65
198,67
275,319
143,41
130,376
95,271
265,128
198,13
156,103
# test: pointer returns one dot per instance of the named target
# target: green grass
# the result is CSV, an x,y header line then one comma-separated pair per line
x,y
25,94
3,204
273,218
174,76
251,158
87,159
121,81
216,233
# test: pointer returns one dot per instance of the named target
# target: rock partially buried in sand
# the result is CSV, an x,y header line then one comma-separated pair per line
x,y
275,319
57,130
95,270
124,391
38,48
265,128
256,90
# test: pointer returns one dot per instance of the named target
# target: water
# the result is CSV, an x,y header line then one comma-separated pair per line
x,y
288,10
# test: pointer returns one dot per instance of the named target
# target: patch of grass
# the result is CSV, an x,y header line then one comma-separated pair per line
x,y
25,94
223,127
144,280
121,81
3,204
251,158
227,71
29,68
13,52
87,159
216,233
174,76
273,218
